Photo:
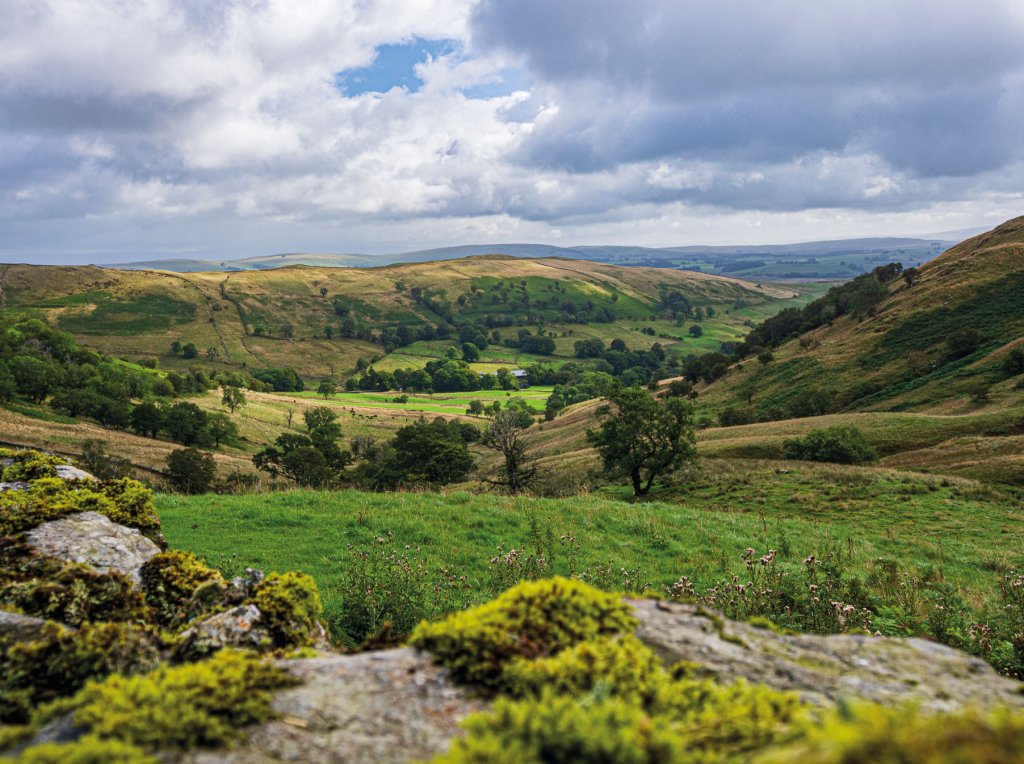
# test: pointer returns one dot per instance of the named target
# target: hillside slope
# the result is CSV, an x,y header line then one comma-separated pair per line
x,y
896,358
241,314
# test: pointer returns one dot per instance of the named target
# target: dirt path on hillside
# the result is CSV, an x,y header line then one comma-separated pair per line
x,y
3,295
241,317
213,319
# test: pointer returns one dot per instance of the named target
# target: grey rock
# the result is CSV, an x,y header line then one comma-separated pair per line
x,y
237,627
20,628
17,485
387,707
823,669
93,539
68,472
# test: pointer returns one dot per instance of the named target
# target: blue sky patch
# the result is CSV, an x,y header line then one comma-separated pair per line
x,y
393,67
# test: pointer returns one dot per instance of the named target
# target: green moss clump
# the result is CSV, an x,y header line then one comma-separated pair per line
x,y
290,608
704,724
29,465
867,734
178,587
196,705
532,620
621,666
88,750
76,595
62,661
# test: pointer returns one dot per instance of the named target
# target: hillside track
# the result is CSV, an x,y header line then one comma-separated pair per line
x,y
213,319
3,296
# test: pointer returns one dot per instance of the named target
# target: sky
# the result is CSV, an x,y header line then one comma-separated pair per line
x,y
237,128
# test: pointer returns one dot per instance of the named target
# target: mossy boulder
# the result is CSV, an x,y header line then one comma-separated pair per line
x,y
91,539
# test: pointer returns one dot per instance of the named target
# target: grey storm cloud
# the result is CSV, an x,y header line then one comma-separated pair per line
x,y
932,87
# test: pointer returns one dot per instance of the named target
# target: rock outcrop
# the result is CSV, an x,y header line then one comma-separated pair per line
x,y
236,627
386,707
93,539
823,669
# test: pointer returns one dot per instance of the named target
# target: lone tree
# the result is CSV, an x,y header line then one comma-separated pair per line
x,y
233,398
326,389
323,291
765,357
287,331
643,438
508,437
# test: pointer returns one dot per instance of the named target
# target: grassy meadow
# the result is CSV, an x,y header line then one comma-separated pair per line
x,y
953,534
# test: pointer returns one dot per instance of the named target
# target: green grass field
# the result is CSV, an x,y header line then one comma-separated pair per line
x,y
956,533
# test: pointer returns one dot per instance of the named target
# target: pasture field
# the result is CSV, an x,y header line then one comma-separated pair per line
x,y
951,532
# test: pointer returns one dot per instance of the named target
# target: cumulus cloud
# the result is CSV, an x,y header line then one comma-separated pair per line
x,y
223,127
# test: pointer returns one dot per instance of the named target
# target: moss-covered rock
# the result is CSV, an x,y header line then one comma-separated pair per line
x,y
533,620
179,587
195,705
88,750
50,588
25,466
63,660
126,502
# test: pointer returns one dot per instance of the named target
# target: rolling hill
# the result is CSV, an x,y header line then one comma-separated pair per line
x,y
814,255
241,315
896,360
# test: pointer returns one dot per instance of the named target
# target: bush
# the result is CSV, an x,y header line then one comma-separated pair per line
x,y
963,342
191,470
532,620
1014,363
840,444
733,417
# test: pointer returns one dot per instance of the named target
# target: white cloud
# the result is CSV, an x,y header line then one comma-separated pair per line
x,y
216,125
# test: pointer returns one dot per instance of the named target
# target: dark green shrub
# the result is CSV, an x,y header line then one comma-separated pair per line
x,y
733,417
841,444
191,470
1014,363
963,342
808,403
